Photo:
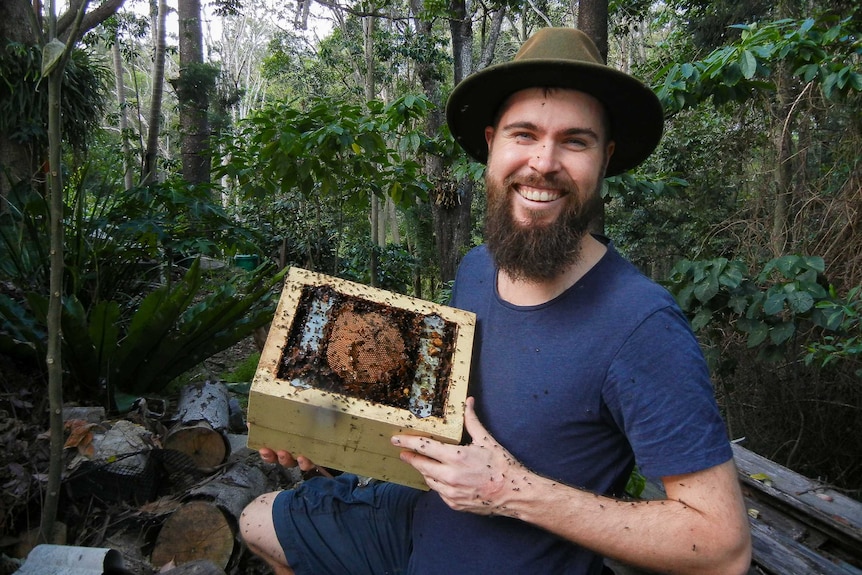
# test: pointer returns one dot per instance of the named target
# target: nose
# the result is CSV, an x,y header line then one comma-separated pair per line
x,y
544,159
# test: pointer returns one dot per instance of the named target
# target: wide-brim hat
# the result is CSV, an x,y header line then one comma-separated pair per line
x,y
559,58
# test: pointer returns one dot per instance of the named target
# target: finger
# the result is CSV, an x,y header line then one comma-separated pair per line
x,y
310,469
285,458
417,443
474,427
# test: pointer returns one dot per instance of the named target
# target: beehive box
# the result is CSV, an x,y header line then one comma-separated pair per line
x,y
347,366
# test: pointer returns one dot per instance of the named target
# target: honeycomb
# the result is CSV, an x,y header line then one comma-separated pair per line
x,y
365,347
368,350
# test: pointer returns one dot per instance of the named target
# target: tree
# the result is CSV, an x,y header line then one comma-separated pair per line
x,y
151,152
194,85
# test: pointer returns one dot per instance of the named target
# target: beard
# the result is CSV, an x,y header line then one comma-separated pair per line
x,y
531,250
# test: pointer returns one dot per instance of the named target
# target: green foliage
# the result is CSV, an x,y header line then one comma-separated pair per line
x,y
636,484
124,327
332,150
395,266
824,50
244,371
196,79
843,316
770,308
24,98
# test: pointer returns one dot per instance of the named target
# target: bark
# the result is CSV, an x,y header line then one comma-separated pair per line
x,y
452,221
120,83
193,95
593,21
55,304
784,148
17,162
377,239
66,28
784,165
203,415
55,301
204,527
154,123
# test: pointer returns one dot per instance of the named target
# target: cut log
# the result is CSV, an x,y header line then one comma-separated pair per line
x,y
197,530
206,525
197,567
202,419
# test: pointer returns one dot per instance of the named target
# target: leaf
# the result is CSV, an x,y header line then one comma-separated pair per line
x,y
774,303
701,319
782,332
51,55
747,64
707,289
800,301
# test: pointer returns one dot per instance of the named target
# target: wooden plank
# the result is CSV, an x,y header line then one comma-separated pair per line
x,y
814,503
777,553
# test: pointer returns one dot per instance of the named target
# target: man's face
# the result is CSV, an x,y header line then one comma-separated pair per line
x,y
546,160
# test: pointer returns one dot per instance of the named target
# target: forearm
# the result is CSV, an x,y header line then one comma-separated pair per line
x,y
667,536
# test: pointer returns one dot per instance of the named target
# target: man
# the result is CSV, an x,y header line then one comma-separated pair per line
x,y
582,367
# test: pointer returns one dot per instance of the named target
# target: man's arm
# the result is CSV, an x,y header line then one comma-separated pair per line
x,y
700,528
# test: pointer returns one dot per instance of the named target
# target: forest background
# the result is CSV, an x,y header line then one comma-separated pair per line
x,y
134,154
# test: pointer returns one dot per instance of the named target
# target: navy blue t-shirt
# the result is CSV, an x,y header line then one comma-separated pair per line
x,y
578,389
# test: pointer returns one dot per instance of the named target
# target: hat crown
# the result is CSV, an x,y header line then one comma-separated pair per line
x,y
560,44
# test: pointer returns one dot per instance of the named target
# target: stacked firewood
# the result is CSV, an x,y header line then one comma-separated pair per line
x,y
190,475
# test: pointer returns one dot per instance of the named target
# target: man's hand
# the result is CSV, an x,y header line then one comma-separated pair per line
x,y
467,477
286,459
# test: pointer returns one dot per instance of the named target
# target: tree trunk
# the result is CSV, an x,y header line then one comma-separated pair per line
x,y
785,156
151,155
783,137
55,305
370,93
452,221
195,85
120,83
593,21
18,160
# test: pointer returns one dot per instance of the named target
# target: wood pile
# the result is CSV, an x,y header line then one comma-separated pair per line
x,y
182,480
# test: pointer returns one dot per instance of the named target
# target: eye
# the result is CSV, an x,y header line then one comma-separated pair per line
x,y
578,143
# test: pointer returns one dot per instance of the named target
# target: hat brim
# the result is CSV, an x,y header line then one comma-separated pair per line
x,y
636,115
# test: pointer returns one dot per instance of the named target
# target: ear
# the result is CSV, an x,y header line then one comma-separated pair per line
x,y
609,151
489,137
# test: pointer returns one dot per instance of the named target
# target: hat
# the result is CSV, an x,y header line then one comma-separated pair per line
x,y
559,58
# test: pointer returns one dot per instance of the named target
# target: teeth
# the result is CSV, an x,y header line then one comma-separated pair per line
x,y
539,196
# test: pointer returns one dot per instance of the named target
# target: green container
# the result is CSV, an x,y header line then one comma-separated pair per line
x,y
246,261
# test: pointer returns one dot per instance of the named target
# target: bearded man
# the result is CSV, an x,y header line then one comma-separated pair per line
x,y
582,368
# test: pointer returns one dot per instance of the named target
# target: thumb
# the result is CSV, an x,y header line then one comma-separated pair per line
x,y
474,427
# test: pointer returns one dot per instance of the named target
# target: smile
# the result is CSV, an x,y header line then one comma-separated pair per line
x,y
538,195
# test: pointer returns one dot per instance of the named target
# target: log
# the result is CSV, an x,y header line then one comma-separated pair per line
x,y
206,525
197,530
203,416
197,567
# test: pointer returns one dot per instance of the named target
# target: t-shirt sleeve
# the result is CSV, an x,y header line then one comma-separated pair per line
x,y
660,394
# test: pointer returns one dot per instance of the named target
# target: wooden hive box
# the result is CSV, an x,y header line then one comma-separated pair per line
x,y
347,366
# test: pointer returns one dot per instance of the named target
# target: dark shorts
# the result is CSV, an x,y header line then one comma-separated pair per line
x,y
338,526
